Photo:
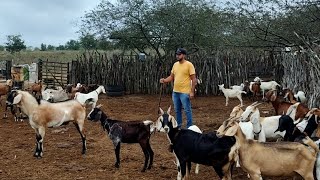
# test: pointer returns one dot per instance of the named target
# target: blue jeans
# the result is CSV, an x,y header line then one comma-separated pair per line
x,y
179,100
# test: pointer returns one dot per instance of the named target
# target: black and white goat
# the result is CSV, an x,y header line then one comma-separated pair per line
x,y
126,132
190,146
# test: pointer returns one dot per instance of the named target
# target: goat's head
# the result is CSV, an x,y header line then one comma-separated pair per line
x,y
103,90
14,97
251,111
47,95
166,122
271,95
221,86
285,122
236,111
9,82
229,127
95,114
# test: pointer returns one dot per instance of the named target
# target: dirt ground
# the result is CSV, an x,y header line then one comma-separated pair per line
x,y
62,157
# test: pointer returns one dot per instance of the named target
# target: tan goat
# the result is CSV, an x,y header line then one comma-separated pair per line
x,y
273,158
49,115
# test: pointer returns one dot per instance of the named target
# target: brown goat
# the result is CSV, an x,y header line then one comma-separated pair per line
x,y
255,88
36,88
281,107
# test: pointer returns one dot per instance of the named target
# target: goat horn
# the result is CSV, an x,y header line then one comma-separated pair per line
x,y
99,106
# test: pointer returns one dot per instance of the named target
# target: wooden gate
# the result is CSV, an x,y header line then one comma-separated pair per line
x,y
53,73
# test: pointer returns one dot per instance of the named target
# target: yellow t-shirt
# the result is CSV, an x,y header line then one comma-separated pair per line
x,y
182,80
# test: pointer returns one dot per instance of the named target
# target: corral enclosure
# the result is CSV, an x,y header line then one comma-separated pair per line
x,y
62,157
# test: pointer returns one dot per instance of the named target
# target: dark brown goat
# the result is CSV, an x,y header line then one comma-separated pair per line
x,y
126,132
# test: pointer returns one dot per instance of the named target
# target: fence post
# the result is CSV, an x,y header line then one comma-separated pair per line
x,y
40,63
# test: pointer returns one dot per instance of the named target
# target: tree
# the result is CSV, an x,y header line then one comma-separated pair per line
x,y
72,45
61,47
50,47
15,43
2,48
88,41
43,47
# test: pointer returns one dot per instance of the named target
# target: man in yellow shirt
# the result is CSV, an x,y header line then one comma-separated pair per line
x,y
184,80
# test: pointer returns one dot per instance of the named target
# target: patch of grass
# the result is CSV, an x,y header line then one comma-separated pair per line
x,y
28,57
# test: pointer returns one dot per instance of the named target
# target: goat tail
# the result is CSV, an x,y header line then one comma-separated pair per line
x,y
310,143
152,126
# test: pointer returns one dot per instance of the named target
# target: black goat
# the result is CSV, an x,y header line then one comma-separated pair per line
x,y
126,132
292,132
190,146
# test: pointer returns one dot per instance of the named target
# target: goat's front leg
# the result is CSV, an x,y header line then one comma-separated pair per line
x,y
117,151
227,100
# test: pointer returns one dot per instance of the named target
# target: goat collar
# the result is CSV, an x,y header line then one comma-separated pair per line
x,y
257,133
96,92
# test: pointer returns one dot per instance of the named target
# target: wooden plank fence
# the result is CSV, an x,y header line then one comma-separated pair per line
x,y
228,67
53,73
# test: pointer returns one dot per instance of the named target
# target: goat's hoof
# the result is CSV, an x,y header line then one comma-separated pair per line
x,y
149,167
143,170
117,165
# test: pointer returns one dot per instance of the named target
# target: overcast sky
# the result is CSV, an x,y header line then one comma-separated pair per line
x,y
42,21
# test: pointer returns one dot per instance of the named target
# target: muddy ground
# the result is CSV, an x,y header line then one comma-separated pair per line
x,y
62,146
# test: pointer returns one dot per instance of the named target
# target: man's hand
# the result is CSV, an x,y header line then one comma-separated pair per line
x,y
162,80
191,95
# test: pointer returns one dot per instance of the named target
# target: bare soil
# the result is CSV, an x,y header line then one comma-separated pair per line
x,y
62,146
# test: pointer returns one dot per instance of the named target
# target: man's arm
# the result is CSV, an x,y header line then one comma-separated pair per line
x,y
193,84
168,79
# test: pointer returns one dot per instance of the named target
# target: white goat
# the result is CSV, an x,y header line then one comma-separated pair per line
x,y
48,114
231,93
270,85
263,127
272,159
52,95
236,87
93,94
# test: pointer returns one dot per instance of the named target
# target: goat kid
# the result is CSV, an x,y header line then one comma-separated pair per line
x,y
189,146
126,132
48,114
231,93
94,95
273,158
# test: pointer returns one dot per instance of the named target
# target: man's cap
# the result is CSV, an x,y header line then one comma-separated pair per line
x,y
181,51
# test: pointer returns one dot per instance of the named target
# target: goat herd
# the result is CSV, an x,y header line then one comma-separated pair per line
x,y
240,140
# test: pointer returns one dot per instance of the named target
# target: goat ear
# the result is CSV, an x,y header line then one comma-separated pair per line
x,y
169,110
273,96
17,99
174,122
232,130
161,111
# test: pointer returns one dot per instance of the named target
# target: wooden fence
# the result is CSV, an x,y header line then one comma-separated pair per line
x,y
53,73
228,67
